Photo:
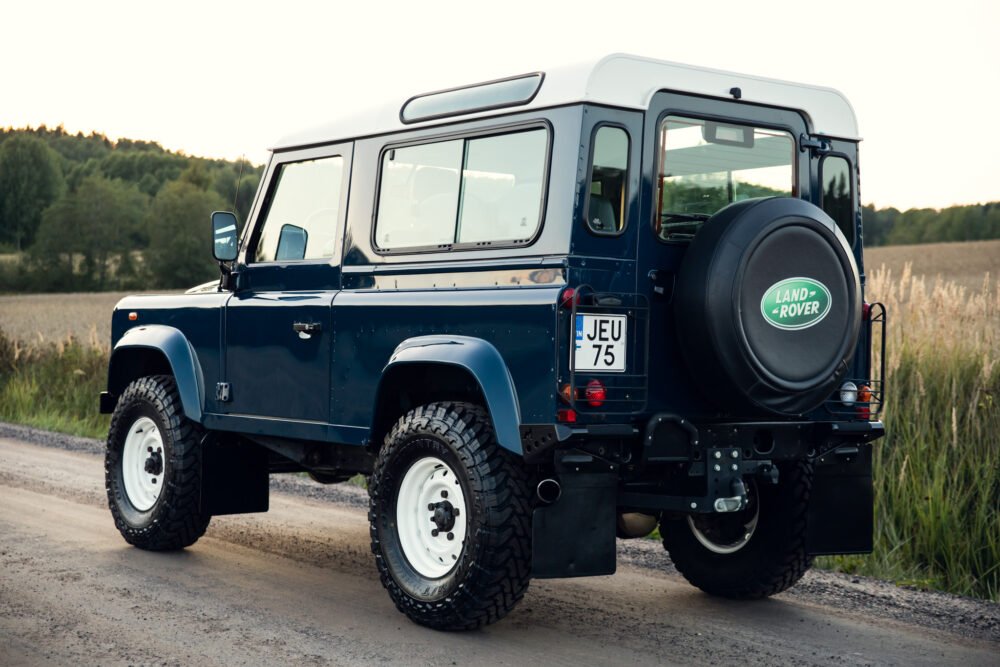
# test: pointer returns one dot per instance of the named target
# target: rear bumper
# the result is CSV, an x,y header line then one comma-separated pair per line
x,y
668,438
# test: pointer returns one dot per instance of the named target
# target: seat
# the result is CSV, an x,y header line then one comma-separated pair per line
x,y
601,215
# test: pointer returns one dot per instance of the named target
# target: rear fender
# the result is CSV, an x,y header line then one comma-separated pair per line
x,y
155,349
482,362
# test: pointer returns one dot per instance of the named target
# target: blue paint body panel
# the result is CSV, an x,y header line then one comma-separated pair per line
x,y
483,362
181,357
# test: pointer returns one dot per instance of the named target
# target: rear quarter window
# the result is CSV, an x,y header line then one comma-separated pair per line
x,y
465,192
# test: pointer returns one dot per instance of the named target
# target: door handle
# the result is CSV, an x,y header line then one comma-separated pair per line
x,y
305,330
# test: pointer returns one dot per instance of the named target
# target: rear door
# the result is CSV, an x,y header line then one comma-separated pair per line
x,y
278,329
700,155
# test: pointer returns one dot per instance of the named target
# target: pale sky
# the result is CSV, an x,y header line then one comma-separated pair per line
x,y
220,78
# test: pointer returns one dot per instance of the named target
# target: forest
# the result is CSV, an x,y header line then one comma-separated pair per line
x,y
85,213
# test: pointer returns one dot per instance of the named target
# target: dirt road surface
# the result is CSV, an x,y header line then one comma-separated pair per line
x,y
297,586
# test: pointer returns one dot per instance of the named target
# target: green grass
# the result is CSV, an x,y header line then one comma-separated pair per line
x,y
937,477
53,386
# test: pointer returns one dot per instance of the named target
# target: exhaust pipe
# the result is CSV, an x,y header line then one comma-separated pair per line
x,y
548,491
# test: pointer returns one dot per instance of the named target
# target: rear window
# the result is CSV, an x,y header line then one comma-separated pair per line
x,y
707,165
476,191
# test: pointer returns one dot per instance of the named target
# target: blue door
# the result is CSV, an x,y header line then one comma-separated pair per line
x,y
278,329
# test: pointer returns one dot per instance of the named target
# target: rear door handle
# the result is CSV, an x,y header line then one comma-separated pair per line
x,y
305,330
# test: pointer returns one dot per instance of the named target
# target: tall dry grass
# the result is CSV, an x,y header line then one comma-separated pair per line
x,y
937,471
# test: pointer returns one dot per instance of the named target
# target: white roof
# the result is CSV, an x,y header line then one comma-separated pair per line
x,y
619,80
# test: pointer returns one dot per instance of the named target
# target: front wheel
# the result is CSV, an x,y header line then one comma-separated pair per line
x,y
756,552
450,519
152,468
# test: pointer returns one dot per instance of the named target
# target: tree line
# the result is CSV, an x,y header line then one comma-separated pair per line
x,y
889,226
84,213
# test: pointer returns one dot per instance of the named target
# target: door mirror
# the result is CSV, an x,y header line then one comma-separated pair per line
x,y
224,236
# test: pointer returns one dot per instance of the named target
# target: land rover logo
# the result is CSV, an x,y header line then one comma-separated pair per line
x,y
795,303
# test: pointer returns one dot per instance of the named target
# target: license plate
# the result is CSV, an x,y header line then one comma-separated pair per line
x,y
599,343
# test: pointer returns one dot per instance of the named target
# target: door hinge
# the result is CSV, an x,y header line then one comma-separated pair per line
x,y
817,146
222,392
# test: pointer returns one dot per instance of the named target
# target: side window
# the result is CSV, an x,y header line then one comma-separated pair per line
x,y
608,176
301,217
477,190
837,193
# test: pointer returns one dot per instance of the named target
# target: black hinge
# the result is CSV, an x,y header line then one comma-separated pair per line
x,y
222,393
817,146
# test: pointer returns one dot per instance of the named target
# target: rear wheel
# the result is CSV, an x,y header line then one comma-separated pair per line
x,y
756,552
152,468
450,519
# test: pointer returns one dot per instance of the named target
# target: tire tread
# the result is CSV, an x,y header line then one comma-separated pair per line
x,y
496,583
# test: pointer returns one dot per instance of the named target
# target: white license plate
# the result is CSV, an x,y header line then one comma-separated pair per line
x,y
599,342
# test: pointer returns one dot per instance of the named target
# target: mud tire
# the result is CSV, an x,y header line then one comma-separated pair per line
x,y
175,520
774,558
493,570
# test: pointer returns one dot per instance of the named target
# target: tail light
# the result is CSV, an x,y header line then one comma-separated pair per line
x,y
595,393
569,298
864,410
566,415
866,310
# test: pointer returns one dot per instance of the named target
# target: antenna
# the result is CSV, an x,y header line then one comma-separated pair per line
x,y
239,181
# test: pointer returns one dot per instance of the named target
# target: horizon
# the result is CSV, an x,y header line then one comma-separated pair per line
x,y
227,79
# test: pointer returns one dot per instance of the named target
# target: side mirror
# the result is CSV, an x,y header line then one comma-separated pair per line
x,y
224,236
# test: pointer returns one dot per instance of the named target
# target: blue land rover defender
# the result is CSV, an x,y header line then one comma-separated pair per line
x,y
539,314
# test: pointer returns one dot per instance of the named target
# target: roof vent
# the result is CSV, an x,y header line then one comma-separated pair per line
x,y
499,94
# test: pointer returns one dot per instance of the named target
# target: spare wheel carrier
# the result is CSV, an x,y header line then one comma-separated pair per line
x,y
747,261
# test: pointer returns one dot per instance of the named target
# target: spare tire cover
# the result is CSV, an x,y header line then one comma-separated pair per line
x,y
768,306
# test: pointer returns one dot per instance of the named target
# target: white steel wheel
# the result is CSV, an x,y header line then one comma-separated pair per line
x,y
143,464
431,517
727,532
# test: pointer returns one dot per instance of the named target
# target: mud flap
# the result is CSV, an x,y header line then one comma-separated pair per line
x,y
234,477
575,536
841,505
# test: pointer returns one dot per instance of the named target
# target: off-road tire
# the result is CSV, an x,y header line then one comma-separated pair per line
x,y
494,568
774,558
175,520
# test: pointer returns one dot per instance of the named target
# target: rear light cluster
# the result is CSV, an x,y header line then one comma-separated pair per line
x,y
595,393
853,395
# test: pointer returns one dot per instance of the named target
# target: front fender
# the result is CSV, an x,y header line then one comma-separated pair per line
x,y
128,363
484,363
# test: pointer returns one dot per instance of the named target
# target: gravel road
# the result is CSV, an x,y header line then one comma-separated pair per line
x,y
297,585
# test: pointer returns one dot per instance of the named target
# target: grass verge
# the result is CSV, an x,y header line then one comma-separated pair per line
x,y
54,385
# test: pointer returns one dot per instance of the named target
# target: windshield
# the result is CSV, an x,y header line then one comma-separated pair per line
x,y
707,165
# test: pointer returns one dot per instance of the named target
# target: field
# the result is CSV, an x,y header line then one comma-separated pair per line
x,y
965,264
937,471
41,317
